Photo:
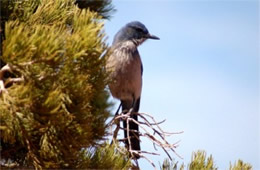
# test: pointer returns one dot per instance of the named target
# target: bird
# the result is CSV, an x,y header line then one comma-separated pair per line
x,y
125,72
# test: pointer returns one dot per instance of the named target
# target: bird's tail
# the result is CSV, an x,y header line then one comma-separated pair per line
x,y
134,136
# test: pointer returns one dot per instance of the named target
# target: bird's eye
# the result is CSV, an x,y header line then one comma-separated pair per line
x,y
139,30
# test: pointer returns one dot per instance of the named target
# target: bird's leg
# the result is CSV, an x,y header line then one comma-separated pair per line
x,y
110,123
133,105
118,109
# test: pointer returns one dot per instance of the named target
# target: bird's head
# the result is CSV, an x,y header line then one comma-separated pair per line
x,y
134,31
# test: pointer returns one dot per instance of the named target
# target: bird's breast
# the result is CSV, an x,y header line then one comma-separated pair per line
x,y
124,65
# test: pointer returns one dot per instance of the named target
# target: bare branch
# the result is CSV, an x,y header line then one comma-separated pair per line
x,y
2,86
14,80
151,162
6,81
150,129
4,69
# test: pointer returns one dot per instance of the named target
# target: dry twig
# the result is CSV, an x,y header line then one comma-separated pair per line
x,y
150,129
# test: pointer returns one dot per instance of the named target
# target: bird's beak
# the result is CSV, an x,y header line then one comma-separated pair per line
x,y
150,36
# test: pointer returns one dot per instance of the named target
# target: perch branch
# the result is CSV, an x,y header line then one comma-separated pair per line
x,y
150,129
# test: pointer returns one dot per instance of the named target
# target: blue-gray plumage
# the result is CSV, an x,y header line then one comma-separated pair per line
x,y
125,67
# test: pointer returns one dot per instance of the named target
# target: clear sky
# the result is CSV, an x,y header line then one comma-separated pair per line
x,y
202,76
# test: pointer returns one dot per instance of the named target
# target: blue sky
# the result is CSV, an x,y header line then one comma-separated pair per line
x,y
202,76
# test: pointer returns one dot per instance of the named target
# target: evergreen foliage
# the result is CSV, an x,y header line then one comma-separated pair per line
x,y
56,117
103,7
200,161
240,165
59,110
104,157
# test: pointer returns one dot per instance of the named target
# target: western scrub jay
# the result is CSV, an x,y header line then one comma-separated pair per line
x,y
125,67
